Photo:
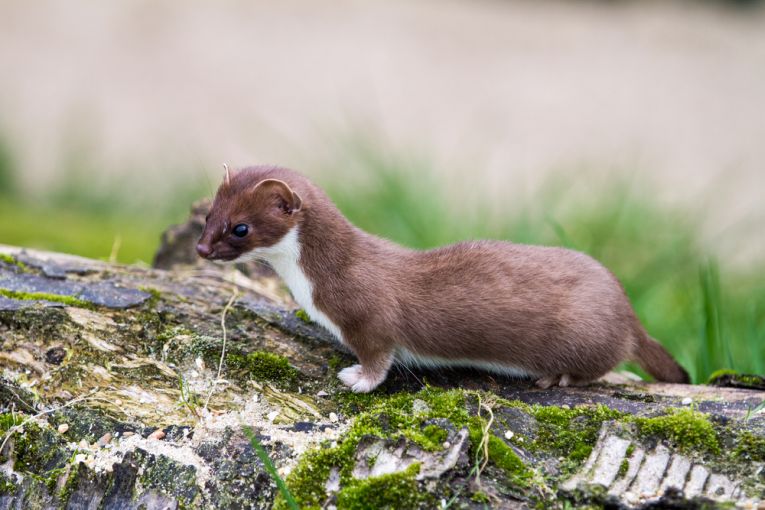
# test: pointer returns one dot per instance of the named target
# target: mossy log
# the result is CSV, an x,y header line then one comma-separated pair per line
x,y
110,398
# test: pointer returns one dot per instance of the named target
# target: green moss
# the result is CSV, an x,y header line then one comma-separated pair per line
x,y
720,373
7,485
263,366
500,454
50,478
10,259
8,420
168,476
307,481
733,378
587,497
303,316
43,296
750,447
630,450
40,454
570,433
334,362
480,497
155,294
435,434
71,484
378,415
687,429
751,379
623,468
505,458
387,417
563,432
30,451
392,491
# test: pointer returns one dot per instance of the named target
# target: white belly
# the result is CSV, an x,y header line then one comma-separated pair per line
x,y
284,257
407,357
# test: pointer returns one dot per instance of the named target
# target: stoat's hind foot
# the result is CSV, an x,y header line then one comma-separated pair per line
x,y
570,380
360,380
562,380
548,380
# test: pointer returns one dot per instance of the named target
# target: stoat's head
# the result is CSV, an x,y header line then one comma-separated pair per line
x,y
248,213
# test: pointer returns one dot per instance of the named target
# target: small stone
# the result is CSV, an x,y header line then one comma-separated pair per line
x,y
200,363
322,394
55,355
83,445
509,434
63,428
446,444
104,440
333,417
80,457
65,395
687,401
304,426
157,434
128,434
272,415
420,406
117,402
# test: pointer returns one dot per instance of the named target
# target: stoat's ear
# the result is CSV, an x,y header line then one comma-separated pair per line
x,y
227,175
288,201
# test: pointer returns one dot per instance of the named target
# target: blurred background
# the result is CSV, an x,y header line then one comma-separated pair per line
x,y
631,130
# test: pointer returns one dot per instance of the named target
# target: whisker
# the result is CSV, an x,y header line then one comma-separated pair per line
x,y
410,371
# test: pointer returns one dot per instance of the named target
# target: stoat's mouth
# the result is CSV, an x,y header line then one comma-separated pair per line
x,y
214,257
224,258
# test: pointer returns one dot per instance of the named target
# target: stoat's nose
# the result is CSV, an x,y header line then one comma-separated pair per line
x,y
204,250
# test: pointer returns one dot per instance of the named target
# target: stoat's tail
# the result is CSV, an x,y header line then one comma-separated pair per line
x,y
654,359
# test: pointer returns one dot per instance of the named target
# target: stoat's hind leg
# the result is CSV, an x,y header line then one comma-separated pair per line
x,y
548,380
570,380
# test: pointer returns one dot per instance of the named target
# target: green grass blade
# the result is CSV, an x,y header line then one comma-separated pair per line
x,y
270,468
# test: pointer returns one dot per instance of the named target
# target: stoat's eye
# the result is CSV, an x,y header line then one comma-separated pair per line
x,y
240,230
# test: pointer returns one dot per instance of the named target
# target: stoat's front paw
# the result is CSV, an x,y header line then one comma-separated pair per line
x,y
358,380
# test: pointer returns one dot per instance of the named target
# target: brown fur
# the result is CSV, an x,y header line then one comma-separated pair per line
x,y
557,314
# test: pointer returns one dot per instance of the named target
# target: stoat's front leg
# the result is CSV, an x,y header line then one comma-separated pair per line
x,y
375,360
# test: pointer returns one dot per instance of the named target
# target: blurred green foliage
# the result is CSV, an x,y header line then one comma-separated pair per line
x,y
95,214
709,316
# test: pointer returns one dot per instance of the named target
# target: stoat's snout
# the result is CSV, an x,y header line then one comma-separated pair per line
x,y
204,250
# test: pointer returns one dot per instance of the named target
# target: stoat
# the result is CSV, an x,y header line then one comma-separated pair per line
x,y
552,314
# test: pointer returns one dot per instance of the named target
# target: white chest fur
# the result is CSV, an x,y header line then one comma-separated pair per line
x,y
284,257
